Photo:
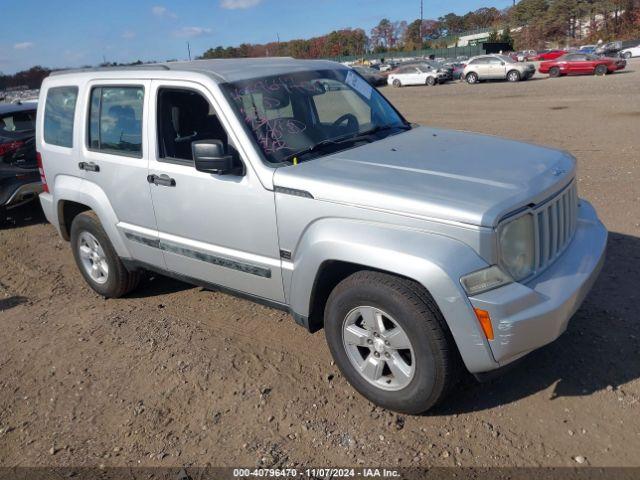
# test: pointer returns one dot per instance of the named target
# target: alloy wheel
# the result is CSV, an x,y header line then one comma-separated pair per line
x,y
378,348
94,260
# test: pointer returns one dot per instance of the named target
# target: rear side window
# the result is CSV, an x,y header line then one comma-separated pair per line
x,y
115,120
59,112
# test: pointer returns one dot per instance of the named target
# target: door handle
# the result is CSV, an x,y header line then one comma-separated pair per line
x,y
162,180
89,166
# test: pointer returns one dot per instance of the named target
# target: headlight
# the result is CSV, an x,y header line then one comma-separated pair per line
x,y
517,254
485,280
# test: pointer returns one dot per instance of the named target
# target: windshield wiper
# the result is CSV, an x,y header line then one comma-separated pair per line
x,y
345,138
379,128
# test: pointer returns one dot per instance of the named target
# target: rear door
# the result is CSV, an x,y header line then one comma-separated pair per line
x,y
116,158
481,67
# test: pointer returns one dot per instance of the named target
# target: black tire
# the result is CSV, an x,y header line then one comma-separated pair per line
x,y
3,215
472,78
397,83
627,55
437,362
513,76
554,72
119,281
601,70
431,81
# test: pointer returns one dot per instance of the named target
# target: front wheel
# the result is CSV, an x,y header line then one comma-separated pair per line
x,y
601,70
554,72
627,55
472,78
513,76
97,260
390,341
397,83
431,81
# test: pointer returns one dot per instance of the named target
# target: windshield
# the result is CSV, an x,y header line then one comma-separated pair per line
x,y
292,113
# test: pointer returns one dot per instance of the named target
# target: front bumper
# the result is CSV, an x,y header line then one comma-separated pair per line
x,y
527,316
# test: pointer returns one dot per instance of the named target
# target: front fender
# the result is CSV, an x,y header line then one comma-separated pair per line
x,y
435,261
87,193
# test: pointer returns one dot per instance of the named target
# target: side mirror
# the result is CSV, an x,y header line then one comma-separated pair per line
x,y
209,157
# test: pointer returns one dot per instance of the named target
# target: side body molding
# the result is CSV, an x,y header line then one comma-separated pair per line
x,y
88,193
435,261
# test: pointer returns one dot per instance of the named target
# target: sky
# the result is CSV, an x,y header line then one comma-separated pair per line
x,y
72,33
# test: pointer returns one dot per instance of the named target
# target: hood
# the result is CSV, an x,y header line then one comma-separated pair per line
x,y
431,173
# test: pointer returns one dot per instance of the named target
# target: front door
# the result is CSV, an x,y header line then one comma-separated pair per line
x,y
220,229
497,68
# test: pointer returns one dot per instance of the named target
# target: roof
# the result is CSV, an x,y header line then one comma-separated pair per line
x,y
16,107
227,70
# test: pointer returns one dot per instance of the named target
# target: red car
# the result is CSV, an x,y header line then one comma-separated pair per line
x,y
548,55
581,64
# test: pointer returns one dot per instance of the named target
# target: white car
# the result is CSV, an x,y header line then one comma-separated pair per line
x,y
631,52
414,75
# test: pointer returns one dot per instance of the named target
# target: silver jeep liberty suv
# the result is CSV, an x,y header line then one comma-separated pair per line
x,y
420,252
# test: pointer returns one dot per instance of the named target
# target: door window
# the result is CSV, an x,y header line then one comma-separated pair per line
x,y
59,112
115,120
185,116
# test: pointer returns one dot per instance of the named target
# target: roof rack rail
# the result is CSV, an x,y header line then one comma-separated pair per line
x,y
149,66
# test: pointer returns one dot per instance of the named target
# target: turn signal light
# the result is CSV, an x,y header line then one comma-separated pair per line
x,y
485,322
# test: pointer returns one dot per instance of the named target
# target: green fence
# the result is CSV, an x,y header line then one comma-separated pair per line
x,y
453,52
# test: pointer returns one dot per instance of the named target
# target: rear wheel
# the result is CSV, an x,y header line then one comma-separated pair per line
x,y
472,78
513,76
390,341
431,81
97,260
397,83
554,72
601,70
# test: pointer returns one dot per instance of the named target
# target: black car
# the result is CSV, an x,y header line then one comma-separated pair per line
x,y
19,175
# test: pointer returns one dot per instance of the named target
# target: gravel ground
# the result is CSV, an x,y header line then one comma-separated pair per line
x,y
177,375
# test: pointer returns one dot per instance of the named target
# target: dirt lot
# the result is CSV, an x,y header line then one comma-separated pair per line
x,y
176,375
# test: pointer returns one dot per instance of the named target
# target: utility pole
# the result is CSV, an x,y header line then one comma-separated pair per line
x,y
189,50
422,17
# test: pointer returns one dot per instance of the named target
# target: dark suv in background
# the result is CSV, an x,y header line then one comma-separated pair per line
x,y
19,176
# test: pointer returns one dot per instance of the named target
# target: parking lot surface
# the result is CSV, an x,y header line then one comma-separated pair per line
x,y
178,375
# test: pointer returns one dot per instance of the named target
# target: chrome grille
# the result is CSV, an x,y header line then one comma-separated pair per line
x,y
555,224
